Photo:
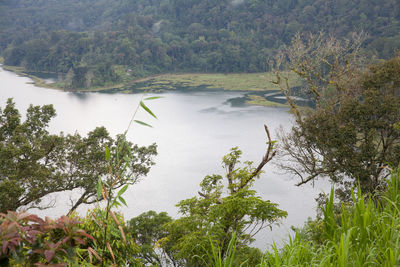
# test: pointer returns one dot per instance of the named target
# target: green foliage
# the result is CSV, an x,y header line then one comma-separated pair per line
x,y
349,135
365,233
148,230
35,163
112,244
217,259
26,239
115,246
27,151
95,38
220,211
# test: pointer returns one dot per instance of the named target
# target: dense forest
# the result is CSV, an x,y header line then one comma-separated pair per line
x,y
98,42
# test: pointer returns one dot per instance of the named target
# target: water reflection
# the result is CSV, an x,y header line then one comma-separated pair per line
x,y
82,96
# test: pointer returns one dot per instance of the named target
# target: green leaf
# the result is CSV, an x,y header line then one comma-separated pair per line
x,y
147,109
122,201
108,154
153,97
396,125
127,159
123,189
115,203
126,165
99,189
143,123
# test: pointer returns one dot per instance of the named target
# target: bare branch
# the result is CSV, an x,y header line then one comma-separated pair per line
x,y
267,157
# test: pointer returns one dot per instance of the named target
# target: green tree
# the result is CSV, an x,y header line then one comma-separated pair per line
x,y
121,32
34,163
222,209
349,135
147,230
86,157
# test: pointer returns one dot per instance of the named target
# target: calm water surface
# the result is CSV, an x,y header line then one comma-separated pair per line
x,y
193,132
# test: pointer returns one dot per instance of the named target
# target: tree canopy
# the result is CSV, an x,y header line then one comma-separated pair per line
x,y
35,163
99,41
350,134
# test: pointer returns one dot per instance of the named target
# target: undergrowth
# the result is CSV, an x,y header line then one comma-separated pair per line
x,y
365,233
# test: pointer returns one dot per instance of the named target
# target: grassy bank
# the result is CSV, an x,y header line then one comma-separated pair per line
x,y
36,80
262,101
256,82
232,81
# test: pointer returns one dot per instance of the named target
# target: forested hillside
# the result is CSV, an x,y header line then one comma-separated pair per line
x,y
99,41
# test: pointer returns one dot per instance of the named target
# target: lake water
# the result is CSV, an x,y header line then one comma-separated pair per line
x,y
193,132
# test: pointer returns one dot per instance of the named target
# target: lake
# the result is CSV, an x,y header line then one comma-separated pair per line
x,y
193,132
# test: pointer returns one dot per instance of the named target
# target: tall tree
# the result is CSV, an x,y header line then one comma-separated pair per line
x,y
349,135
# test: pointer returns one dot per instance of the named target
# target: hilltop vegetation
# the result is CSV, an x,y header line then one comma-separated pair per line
x,y
101,42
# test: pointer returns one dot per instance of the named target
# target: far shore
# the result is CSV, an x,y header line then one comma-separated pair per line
x,y
256,82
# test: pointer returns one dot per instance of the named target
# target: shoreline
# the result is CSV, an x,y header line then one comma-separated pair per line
x,y
254,84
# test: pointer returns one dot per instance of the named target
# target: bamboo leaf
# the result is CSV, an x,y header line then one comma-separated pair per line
x,y
153,97
122,233
111,251
95,254
114,218
123,189
143,123
115,203
90,256
147,109
108,154
123,201
127,159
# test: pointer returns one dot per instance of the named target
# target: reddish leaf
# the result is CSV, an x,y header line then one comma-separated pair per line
x,y
49,254
65,240
4,249
15,241
83,233
79,240
52,265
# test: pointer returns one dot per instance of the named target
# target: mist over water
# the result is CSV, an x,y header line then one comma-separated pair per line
x,y
193,132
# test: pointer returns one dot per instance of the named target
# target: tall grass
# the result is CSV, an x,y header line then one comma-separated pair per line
x,y
366,233
215,257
